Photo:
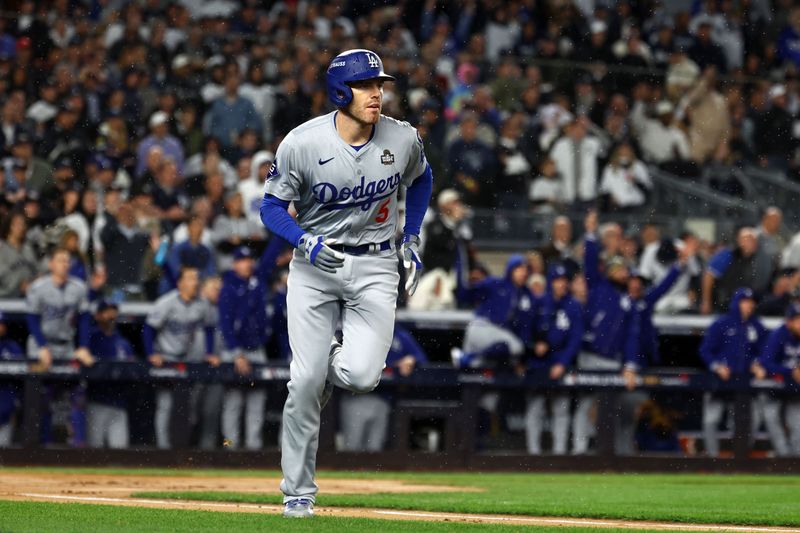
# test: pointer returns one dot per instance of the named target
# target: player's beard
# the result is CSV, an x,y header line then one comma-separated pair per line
x,y
363,116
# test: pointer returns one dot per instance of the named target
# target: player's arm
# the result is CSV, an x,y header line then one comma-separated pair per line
x,y
34,320
418,197
154,321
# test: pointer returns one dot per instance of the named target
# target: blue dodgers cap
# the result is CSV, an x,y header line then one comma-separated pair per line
x,y
557,271
242,252
793,310
102,162
102,305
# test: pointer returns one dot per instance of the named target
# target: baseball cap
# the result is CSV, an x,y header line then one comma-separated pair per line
x,y
242,252
158,118
557,271
793,310
447,196
180,61
776,91
598,26
664,107
62,162
102,162
23,137
745,293
102,305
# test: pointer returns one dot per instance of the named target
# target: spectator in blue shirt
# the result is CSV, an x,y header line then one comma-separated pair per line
x,y
230,114
189,253
789,39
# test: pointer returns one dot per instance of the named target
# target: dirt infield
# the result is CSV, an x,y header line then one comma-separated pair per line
x,y
117,490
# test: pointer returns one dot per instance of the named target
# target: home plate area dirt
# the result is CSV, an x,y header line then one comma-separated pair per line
x,y
117,490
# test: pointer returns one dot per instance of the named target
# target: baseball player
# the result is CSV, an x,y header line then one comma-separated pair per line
x,y
244,323
729,349
342,171
561,332
9,392
168,333
58,305
781,357
106,411
504,318
364,418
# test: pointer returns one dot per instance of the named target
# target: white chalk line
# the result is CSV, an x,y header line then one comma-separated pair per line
x,y
440,516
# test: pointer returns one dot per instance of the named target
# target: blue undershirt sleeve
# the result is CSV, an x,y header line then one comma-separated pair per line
x,y
84,325
277,219
418,196
148,339
35,329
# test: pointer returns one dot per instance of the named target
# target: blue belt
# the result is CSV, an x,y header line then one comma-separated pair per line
x,y
371,248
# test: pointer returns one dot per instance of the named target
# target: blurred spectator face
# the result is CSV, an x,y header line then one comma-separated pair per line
x,y
577,130
189,282
215,186
89,202
243,168
248,141
618,274
747,241
538,285
535,263
71,199
63,174
233,205
579,289
794,19
22,150
611,236
559,287
195,229
244,267
519,275
107,318
126,215
771,221
794,325
168,175
629,248
469,128
562,230
747,307
635,287
454,209
59,264
650,234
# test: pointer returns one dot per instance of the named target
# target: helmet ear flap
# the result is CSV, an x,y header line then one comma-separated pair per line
x,y
344,94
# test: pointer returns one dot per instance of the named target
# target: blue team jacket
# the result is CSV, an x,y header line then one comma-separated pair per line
x,y
781,354
104,347
404,344
502,303
561,327
9,351
243,303
733,342
606,307
640,335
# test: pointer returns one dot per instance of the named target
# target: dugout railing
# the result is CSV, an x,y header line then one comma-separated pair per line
x,y
455,395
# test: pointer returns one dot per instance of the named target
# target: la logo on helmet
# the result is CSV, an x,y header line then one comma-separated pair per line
x,y
373,61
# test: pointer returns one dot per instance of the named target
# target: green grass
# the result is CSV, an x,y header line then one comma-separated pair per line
x,y
734,499
34,517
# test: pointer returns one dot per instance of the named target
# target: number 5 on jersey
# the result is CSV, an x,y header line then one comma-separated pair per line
x,y
383,211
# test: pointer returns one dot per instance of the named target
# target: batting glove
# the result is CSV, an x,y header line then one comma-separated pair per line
x,y
412,265
320,254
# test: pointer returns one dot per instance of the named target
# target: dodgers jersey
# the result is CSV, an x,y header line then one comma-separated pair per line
x,y
177,321
346,194
59,307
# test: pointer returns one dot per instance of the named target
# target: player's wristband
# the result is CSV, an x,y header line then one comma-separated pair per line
x,y
411,238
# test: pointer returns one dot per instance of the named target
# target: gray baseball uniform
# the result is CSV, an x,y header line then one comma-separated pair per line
x,y
176,322
59,308
350,195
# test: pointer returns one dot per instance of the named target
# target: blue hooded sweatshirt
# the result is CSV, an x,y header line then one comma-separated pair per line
x,y
560,326
781,353
640,335
501,302
606,307
243,303
732,341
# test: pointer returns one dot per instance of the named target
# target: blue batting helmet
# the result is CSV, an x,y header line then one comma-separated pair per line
x,y
349,66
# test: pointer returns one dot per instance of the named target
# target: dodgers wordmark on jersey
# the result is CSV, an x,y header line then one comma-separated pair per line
x,y
343,193
177,321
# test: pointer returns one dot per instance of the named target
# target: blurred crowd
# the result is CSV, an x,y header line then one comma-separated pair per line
x,y
138,125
